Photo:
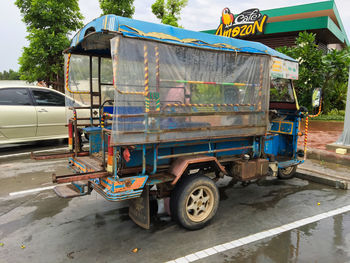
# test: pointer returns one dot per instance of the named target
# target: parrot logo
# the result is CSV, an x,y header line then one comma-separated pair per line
x,y
227,18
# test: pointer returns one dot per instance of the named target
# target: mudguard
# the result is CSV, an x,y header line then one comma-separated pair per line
x,y
139,210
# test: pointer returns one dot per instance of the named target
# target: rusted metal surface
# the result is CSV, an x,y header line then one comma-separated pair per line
x,y
262,167
76,137
126,184
90,162
180,165
116,197
252,169
245,170
160,178
68,178
55,155
138,169
203,152
186,143
133,170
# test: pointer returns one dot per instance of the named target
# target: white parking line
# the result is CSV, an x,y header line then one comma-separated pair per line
x,y
33,190
258,236
28,153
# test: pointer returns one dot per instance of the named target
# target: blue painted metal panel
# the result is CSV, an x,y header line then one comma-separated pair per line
x,y
286,127
108,109
272,144
289,163
95,139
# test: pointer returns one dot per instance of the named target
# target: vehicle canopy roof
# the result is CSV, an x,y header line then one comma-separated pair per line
x,y
94,37
168,85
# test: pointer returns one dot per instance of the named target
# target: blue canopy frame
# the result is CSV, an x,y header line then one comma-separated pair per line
x,y
169,34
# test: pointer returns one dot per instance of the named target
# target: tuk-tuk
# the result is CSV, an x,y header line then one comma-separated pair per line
x,y
171,112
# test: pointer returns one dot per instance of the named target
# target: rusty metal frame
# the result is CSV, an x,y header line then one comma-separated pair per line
x,y
56,155
68,178
203,152
181,164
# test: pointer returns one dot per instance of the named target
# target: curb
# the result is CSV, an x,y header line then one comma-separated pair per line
x,y
331,157
320,178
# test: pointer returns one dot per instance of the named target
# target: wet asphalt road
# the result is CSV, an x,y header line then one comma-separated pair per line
x,y
90,229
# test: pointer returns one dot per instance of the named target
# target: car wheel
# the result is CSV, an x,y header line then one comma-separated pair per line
x,y
194,201
287,173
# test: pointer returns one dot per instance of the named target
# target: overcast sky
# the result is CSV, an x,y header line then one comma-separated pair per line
x,y
197,15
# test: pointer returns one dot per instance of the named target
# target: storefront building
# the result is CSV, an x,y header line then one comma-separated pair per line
x,y
280,26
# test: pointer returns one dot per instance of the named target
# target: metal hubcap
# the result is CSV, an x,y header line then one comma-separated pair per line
x,y
199,204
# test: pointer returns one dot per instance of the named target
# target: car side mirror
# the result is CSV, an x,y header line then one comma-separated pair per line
x,y
316,97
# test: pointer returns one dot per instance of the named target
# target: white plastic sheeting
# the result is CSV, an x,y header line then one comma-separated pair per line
x,y
167,92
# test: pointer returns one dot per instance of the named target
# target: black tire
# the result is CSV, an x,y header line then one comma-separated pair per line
x,y
190,191
287,173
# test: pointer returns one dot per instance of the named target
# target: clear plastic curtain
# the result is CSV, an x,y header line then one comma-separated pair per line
x,y
167,92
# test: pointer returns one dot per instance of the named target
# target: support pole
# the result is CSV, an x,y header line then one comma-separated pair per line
x,y
344,139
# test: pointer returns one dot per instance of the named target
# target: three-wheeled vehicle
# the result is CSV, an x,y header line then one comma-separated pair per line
x,y
171,112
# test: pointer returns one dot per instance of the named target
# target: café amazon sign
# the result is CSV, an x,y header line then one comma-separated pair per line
x,y
247,23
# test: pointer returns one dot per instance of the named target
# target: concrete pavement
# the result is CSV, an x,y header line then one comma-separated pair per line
x,y
40,227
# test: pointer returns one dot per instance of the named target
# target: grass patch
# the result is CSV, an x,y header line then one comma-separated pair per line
x,y
333,115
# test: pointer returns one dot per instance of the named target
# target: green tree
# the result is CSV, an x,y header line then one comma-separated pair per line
x,y
169,12
9,75
319,70
335,83
118,7
48,24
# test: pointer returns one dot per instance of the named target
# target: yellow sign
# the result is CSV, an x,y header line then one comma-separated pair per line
x,y
247,23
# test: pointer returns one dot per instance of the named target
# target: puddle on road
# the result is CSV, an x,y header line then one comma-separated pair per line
x,y
325,241
28,174
29,167
33,209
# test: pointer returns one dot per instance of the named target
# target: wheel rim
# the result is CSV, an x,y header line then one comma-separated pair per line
x,y
199,203
288,170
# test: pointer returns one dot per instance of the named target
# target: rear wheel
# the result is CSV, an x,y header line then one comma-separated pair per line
x,y
194,201
287,173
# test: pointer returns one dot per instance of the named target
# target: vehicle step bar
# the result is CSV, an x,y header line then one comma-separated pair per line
x,y
68,191
55,155
77,177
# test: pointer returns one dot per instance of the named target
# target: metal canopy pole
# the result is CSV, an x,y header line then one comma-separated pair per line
x,y
91,93
344,139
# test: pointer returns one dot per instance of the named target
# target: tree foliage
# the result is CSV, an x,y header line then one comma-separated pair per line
x,y
317,69
118,7
9,75
48,24
169,12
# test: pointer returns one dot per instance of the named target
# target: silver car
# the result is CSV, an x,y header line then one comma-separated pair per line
x,y
31,113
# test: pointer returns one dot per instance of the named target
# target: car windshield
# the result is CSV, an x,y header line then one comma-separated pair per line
x,y
281,90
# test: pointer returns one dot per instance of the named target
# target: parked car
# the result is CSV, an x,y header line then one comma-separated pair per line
x,y
31,113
